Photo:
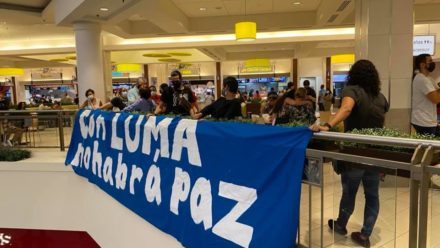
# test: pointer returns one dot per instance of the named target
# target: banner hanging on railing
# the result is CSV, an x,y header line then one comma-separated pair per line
x,y
208,184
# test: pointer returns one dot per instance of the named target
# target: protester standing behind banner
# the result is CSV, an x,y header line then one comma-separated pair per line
x,y
227,106
363,106
178,100
91,102
133,93
144,104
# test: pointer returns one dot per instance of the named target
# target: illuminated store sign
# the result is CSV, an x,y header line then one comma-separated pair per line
x,y
424,44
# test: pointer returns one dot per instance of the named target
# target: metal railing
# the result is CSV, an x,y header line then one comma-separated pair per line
x,y
32,122
420,167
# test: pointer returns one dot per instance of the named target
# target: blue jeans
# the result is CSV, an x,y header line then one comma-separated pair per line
x,y
351,179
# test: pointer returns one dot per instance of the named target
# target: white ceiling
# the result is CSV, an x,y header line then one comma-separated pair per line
x,y
132,19
426,1
29,3
191,8
136,56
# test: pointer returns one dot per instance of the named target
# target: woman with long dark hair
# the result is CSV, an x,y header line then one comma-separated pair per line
x,y
363,106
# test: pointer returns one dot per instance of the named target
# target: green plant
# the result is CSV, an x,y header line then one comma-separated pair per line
x,y
13,154
387,132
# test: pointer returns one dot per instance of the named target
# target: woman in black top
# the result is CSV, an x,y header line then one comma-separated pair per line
x,y
363,106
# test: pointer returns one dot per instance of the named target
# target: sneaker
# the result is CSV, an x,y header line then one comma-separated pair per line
x,y
360,239
333,224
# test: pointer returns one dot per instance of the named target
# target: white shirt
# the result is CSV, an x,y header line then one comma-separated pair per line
x,y
424,112
133,95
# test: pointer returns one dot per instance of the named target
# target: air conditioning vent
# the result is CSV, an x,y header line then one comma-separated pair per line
x,y
332,18
343,5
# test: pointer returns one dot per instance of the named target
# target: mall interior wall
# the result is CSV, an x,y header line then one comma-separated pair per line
x,y
51,196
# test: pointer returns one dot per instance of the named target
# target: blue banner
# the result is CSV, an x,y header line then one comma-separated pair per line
x,y
208,184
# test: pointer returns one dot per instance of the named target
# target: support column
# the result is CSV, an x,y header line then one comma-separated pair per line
x,y
218,79
108,83
328,72
146,74
89,59
384,31
294,77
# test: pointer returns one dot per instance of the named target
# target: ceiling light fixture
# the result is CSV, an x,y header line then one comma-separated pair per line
x,y
246,30
104,9
297,3
8,71
202,9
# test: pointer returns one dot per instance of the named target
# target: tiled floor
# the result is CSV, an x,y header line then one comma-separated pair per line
x,y
391,228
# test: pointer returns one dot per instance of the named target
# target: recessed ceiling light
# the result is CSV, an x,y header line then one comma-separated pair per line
x,y
202,9
296,3
103,9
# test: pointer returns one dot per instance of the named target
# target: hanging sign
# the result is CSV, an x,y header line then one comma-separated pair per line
x,y
424,44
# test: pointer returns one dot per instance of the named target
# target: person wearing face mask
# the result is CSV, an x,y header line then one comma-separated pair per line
x,y
178,100
226,107
91,102
425,96
154,96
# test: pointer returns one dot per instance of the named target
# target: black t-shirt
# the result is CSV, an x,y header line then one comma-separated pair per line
x,y
310,92
368,111
223,109
177,101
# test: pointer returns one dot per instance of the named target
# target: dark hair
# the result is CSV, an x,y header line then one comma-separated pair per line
x,y
280,102
232,84
117,102
289,85
163,87
152,87
364,74
144,93
176,73
88,91
322,86
419,59
306,83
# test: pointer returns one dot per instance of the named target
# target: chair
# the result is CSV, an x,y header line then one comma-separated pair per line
x,y
254,108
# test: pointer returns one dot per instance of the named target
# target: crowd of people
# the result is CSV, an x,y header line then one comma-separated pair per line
x,y
176,97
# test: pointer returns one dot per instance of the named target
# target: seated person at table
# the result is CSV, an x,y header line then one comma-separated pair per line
x,y
227,106
269,104
4,101
144,104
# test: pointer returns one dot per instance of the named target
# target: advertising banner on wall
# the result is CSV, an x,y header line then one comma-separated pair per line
x,y
208,184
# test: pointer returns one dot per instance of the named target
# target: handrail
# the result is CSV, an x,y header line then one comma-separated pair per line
x,y
376,140
38,111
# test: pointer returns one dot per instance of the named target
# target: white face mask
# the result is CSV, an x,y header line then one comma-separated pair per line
x,y
124,93
90,97
153,93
